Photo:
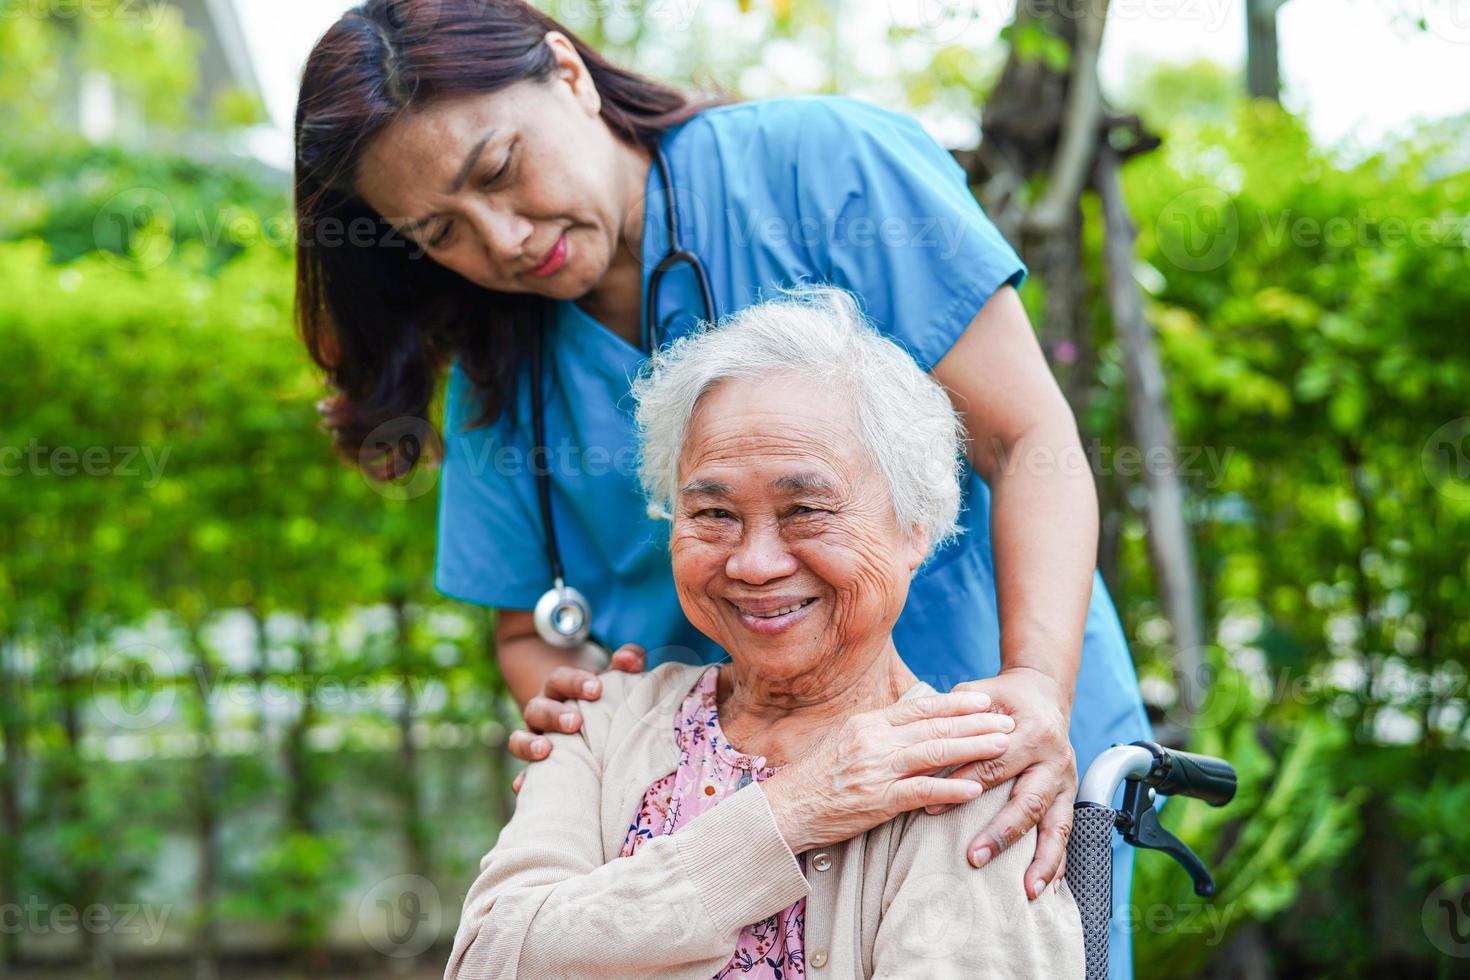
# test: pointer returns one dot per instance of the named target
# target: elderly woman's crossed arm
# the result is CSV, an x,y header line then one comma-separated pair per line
x,y
549,903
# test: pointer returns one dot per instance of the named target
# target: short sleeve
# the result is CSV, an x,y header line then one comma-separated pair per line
x,y
489,549
897,224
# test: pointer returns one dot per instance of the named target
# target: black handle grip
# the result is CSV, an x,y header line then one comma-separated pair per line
x,y
1203,777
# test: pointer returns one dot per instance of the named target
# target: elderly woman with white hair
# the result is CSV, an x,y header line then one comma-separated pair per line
x,y
766,816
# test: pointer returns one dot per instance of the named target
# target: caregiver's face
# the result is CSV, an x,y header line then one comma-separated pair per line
x,y
522,190
780,507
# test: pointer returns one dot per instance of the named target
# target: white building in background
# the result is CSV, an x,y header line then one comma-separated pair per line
x,y
101,111
225,59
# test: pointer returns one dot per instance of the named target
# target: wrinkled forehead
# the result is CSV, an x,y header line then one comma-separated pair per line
x,y
800,436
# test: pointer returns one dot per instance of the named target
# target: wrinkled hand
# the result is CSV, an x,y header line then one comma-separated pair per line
x,y
1041,759
878,764
550,712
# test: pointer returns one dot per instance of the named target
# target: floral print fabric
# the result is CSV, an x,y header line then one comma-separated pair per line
x,y
709,770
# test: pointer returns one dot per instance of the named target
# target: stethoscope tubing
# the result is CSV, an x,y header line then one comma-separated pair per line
x,y
562,599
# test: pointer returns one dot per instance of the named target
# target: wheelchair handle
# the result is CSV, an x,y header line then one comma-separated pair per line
x,y
1203,777
1170,772
1147,769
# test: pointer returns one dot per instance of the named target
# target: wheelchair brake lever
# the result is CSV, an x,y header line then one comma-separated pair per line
x,y
1138,821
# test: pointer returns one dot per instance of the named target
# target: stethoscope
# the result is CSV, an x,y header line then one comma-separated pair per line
x,y
563,616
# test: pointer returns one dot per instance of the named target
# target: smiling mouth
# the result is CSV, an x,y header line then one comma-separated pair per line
x,y
553,260
784,610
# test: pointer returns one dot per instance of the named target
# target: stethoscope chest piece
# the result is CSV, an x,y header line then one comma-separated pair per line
x,y
563,616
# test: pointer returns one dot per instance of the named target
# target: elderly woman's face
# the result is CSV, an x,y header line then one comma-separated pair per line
x,y
780,507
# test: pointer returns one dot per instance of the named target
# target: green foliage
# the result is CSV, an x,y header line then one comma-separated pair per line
x,y
30,70
1311,312
236,108
147,50
164,457
1295,814
144,48
1432,815
300,883
1034,40
81,198
957,75
1167,95
1312,319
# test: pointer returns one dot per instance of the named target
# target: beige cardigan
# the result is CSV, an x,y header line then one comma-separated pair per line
x,y
554,900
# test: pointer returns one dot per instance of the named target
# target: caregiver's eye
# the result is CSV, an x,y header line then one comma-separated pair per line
x,y
495,178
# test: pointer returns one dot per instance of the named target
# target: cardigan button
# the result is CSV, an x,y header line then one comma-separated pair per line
x,y
818,959
822,862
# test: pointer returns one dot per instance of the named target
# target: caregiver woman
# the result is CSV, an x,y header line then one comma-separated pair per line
x,y
471,177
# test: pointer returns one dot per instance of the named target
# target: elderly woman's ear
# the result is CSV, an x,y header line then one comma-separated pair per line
x,y
917,546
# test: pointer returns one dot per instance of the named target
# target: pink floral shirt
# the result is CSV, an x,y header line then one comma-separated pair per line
x,y
709,770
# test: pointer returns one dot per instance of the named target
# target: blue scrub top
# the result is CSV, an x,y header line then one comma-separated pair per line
x,y
771,192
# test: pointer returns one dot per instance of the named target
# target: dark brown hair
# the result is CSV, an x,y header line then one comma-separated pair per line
x,y
380,318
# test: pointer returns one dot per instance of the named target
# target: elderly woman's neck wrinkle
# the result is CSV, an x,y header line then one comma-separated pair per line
x,y
779,718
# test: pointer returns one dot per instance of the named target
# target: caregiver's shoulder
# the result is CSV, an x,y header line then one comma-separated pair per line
x,y
787,120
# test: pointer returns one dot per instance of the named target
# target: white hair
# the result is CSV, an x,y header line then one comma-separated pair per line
x,y
904,419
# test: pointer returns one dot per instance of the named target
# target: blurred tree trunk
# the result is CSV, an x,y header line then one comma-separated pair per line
x,y
258,670
414,829
1023,147
95,946
300,775
1170,544
1438,624
303,784
1262,65
206,789
1364,490
1048,137
1246,956
1112,501
12,736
